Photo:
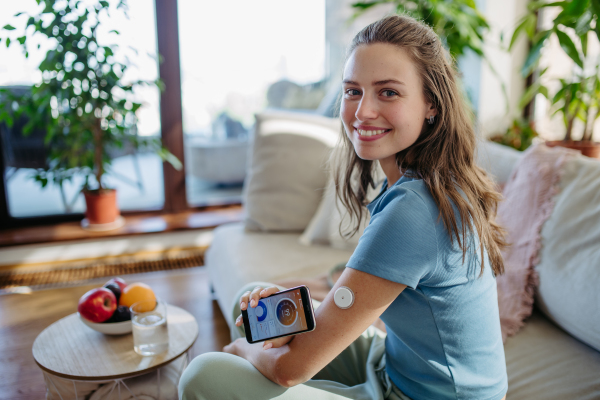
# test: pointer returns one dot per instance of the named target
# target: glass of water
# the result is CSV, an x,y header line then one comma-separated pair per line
x,y
149,327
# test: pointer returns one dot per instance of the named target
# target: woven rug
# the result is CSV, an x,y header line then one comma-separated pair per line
x,y
15,281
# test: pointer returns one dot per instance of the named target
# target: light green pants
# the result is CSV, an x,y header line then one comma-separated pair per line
x,y
357,373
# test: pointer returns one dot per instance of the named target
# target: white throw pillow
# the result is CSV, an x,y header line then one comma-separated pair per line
x,y
324,227
287,169
569,267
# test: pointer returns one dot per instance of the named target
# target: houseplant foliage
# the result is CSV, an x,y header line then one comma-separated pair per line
x,y
518,136
575,26
83,102
459,24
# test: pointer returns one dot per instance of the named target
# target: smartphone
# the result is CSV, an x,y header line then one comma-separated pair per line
x,y
284,313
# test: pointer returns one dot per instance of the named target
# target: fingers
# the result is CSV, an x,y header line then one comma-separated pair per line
x,y
252,298
239,321
255,296
244,300
275,343
269,291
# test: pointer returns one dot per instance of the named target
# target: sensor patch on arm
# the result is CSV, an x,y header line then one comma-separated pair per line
x,y
343,297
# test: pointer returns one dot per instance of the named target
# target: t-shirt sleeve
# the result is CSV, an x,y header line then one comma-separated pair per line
x,y
399,244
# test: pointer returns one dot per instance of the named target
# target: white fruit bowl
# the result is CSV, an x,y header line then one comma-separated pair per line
x,y
108,328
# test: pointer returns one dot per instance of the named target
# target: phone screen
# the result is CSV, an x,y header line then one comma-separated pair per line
x,y
280,314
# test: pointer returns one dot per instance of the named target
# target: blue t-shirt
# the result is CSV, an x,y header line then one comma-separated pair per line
x,y
443,331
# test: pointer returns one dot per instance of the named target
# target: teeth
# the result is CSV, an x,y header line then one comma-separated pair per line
x,y
370,133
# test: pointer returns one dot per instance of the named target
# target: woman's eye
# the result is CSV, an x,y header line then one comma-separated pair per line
x,y
389,93
352,92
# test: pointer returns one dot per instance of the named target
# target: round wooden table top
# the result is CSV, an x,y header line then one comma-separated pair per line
x,y
70,349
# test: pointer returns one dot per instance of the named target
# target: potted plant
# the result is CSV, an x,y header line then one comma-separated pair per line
x,y
577,96
83,103
519,135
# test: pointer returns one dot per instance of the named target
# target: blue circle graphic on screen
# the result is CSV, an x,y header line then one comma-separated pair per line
x,y
260,316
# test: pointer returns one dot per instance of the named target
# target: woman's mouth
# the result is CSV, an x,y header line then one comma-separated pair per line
x,y
371,134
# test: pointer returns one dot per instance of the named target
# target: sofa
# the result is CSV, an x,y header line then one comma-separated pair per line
x,y
290,231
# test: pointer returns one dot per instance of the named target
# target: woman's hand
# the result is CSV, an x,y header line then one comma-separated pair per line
x,y
252,299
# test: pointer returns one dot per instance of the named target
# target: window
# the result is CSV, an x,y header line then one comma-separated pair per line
x,y
238,58
137,177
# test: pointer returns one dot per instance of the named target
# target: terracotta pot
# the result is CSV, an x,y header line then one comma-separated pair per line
x,y
101,206
590,149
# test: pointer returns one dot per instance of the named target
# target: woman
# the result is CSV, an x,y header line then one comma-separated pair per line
x,y
425,264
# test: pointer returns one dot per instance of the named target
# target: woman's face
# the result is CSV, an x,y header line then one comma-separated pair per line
x,y
383,107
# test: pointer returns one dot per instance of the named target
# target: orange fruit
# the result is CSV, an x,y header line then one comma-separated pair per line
x,y
136,292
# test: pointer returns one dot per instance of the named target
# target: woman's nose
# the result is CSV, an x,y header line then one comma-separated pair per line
x,y
367,109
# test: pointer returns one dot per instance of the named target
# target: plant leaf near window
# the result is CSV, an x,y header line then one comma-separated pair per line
x,y
82,102
574,26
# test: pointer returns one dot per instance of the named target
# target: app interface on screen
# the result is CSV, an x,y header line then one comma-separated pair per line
x,y
280,314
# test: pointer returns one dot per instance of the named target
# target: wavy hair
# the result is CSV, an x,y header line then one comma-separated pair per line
x,y
443,154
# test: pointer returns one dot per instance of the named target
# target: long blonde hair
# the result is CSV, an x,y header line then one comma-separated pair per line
x,y
443,154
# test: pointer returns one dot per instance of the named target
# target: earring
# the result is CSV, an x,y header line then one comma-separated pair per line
x,y
431,119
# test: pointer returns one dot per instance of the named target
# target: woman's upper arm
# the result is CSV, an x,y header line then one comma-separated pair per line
x,y
336,328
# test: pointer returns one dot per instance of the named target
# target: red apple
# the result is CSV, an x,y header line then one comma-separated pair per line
x,y
97,305
118,281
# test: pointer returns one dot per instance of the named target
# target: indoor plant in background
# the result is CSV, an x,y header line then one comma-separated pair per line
x,y
459,24
82,101
575,26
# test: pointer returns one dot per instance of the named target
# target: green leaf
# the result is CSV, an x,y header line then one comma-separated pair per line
x,y
167,156
569,47
364,6
8,27
22,39
529,94
534,54
7,42
536,5
584,43
583,23
522,27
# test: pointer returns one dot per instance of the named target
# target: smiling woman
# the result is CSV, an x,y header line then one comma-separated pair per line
x,y
383,108
431,280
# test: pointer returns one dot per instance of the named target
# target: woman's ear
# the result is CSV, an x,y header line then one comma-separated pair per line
x,y
431,110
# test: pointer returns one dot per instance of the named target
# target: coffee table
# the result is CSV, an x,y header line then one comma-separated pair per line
x,y
69,351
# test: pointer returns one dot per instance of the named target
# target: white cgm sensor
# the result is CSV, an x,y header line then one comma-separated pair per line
x,y
343,297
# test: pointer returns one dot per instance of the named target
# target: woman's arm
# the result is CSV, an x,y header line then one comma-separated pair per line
x,y
335,330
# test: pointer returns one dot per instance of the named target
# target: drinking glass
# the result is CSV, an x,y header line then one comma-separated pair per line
x,y
149,327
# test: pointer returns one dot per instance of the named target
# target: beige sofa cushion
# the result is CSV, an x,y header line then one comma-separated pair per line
x,y
544,363
569,268
237,257
497,160
286,173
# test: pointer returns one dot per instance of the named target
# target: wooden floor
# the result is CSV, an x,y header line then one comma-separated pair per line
x,y
24,316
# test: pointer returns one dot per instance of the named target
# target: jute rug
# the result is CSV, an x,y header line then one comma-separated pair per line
x,y
14,281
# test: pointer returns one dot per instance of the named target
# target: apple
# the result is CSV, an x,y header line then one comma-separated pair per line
x,y
118,281
97,305
115,288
